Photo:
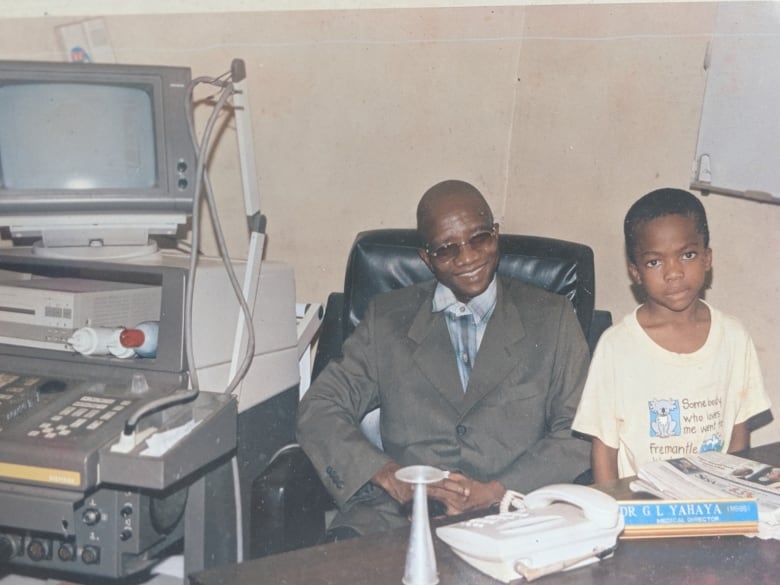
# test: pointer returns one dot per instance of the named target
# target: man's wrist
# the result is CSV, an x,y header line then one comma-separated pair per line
x,y
384,476
497,491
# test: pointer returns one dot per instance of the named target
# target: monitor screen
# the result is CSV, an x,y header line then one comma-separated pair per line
x,y
76,137
106,142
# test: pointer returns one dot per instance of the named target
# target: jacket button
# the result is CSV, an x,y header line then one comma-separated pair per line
x,y
461,430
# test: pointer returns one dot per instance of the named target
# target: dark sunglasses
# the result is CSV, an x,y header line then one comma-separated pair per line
x,y
479,242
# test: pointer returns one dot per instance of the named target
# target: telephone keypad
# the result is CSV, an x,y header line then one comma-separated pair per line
x,y
499,520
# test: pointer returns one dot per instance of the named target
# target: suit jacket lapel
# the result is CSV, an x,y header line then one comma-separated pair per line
x,y
434,355
499,352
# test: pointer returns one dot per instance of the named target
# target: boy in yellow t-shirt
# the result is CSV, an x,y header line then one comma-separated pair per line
x,y
676,376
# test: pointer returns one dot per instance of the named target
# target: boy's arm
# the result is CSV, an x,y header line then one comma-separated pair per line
x,y
740,438
603,459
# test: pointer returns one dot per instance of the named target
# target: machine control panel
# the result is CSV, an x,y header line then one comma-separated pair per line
x,y
112,533
68,502
50,426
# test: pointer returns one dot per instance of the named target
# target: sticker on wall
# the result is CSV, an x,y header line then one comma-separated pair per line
x,y
86,42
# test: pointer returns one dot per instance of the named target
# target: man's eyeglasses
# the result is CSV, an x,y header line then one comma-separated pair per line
x,y
478,242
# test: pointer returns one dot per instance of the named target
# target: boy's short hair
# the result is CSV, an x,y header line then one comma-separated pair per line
x,y
659,203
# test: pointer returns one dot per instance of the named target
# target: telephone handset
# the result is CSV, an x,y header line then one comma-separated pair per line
x,y
555,528
596,506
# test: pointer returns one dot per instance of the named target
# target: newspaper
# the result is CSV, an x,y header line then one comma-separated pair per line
x,y
717,475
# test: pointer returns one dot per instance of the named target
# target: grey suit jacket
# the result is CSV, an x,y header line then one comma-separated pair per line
x,y
512,424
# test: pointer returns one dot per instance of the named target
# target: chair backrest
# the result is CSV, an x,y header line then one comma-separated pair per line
x,y
387,259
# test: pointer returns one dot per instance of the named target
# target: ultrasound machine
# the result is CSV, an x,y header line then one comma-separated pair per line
x,y
107,463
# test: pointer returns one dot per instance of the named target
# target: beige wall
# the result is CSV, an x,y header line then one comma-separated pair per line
x,y
562,114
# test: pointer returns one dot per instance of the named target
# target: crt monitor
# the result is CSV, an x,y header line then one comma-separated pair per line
x,y
94,154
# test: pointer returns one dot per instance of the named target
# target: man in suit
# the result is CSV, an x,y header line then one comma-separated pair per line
x,y
474,373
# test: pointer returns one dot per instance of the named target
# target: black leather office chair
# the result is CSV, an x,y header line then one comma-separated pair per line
x,y
382,260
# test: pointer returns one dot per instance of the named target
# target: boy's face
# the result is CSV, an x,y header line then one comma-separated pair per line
x,y
671,262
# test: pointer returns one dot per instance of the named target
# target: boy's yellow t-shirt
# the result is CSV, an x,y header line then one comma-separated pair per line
x,y
652,404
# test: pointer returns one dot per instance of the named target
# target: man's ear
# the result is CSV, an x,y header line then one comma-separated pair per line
x,y
424,257
633,271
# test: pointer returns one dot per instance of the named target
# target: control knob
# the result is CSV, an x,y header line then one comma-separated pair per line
x,y
7,549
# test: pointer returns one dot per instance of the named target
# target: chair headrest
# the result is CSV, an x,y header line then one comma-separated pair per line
x,y
387,259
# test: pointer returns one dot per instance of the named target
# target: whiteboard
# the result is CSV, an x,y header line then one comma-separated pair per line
x,y
738,148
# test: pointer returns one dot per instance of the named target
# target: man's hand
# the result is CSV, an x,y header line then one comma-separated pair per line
x,y
460,493
386,479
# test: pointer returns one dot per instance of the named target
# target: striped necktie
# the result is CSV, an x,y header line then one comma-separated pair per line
x,y
466,346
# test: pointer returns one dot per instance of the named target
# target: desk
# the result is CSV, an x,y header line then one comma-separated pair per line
x,y
379,559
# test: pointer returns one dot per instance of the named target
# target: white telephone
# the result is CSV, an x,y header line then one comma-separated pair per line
x,y
555,528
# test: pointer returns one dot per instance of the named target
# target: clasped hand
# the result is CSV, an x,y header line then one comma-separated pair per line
x,y
458,492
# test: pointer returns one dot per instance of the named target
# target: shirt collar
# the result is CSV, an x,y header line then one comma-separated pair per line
x,y
480,306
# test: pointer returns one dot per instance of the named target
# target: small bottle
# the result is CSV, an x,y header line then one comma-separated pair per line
x,y
142,338
99,341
